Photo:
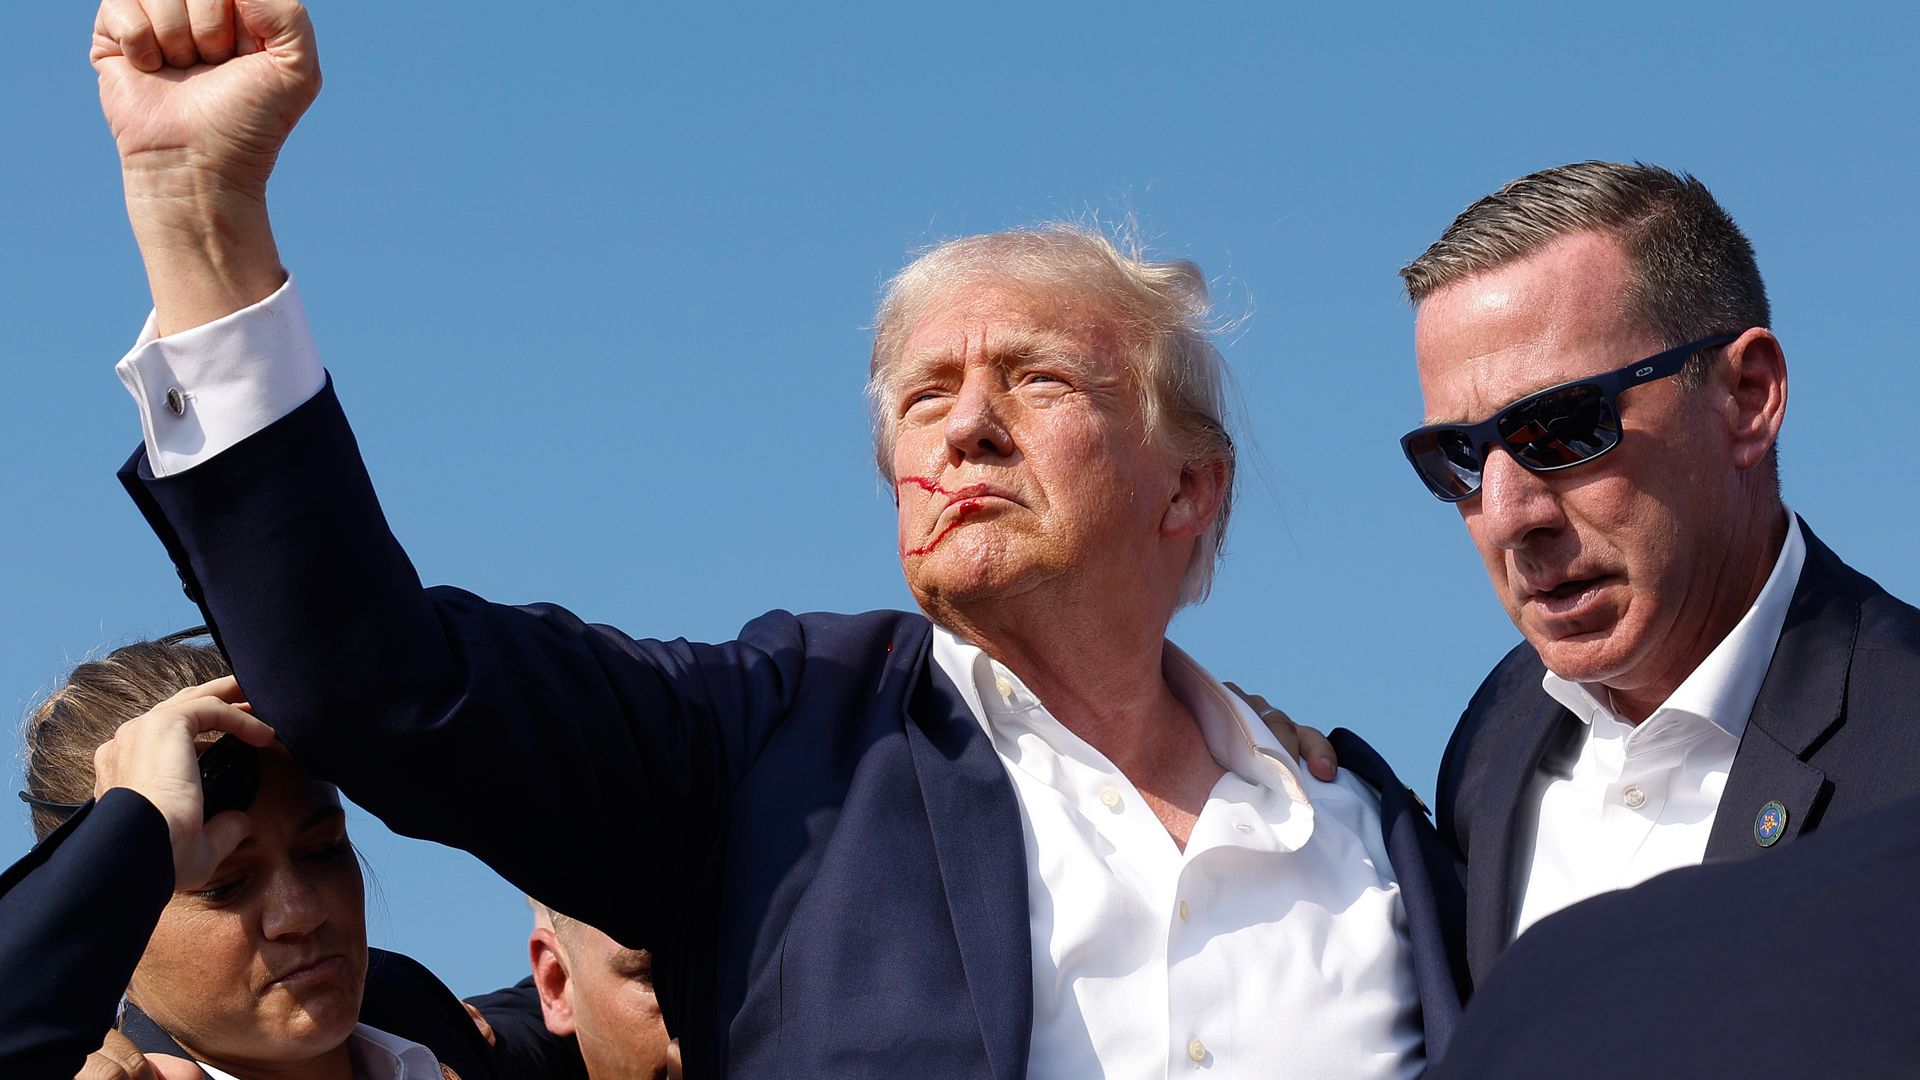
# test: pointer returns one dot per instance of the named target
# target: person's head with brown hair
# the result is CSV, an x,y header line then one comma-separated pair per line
x,y
63,731
1692,270
1603,399
262,964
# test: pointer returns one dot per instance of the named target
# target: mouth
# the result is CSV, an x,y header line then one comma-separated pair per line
x,y
957,505
970,493
972,498
1571,596
312,973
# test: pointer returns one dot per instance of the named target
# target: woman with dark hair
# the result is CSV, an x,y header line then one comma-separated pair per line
x,y
195,890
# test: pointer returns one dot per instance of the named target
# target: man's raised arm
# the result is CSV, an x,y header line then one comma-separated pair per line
x,y
473,724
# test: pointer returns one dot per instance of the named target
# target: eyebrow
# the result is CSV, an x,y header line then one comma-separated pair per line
x,y
311,821
1003,345
324,814
1430,420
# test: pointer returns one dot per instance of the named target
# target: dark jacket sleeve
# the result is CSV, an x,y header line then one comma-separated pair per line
x,y
572,759
75,916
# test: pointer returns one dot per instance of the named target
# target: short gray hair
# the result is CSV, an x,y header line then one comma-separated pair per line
x,y
1160,311
1694,271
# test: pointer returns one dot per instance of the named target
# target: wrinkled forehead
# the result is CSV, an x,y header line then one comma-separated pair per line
x,y
996,320
1566,313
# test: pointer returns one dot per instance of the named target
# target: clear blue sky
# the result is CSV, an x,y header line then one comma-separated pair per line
x,y
592,282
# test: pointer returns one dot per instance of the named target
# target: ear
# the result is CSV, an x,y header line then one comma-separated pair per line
x,y
1755,378
1196,502
550,979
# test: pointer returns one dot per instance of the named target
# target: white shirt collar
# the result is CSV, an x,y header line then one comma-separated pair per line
x,y
1723,688
377,1055
1234,735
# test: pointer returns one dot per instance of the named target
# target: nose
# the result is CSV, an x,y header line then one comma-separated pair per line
x,y
1515,503
975,427
293,905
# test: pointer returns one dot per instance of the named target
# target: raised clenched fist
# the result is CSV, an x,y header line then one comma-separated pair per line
x,y
207,90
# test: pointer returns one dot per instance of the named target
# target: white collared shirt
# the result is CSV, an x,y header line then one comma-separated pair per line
x,y
1639,800
1274,945
376,1056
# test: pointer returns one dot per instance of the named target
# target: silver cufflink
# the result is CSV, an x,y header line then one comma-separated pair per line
x,y
176,401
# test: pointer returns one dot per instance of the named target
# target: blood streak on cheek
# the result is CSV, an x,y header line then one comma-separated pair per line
x,y
963,502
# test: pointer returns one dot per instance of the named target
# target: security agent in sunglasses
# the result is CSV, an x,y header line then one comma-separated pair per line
x,y
1702,679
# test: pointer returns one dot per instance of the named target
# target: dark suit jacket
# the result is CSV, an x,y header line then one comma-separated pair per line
x,y
1800,964
1832,733
75,916
852,894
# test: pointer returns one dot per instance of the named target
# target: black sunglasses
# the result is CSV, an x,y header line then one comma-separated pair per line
x,y
1556,428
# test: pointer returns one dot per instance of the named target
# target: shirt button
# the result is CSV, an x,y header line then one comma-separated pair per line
x,y
1197,1050
1111,798
1006,688
1634,797
1185,912
176,401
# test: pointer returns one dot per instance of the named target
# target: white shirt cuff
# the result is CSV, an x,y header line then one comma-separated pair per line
x,y
203,390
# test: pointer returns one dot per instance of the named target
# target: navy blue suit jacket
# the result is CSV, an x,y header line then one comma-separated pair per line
x,y
1796,965
75,916
1832,733
852,896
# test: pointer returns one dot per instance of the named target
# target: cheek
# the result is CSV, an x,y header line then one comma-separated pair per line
x,y
917,448
344,893
196,973
1490,553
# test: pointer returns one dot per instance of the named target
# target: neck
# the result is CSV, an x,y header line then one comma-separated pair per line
x,y
1097,669
1747,563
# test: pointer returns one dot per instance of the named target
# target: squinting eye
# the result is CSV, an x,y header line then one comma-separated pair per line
x,y
330,853
221,893
914,401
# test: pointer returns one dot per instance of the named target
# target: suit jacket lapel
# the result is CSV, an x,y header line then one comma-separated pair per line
x,y
1430,891
1802,698
1492,865
978,839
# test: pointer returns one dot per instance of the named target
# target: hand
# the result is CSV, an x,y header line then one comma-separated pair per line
x,y
480,1021
200,96
155,755
119,1059
1304,743
208,86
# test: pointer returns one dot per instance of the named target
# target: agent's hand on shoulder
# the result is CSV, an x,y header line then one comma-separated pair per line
x,y
156,756
1304,743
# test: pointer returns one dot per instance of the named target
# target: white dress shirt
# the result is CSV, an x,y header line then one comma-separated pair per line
x,y
376,1056
1275,945
1639,800
202,390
